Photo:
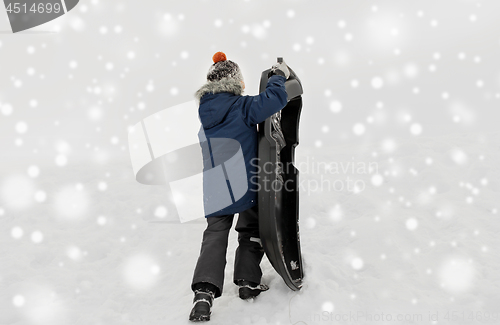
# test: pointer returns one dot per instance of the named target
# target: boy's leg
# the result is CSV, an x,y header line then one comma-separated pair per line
x,y
212,261
249,252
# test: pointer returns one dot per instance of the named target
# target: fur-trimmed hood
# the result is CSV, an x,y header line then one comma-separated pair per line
x,y
219,86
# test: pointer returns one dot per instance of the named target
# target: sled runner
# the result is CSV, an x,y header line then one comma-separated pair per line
x,y
278,196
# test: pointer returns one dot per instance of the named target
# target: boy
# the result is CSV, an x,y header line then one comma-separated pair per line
x,y
225,113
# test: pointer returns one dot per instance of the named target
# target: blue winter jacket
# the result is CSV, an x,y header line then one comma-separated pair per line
x,y
226,116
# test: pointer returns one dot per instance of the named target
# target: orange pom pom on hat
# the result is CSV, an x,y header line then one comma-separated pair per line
x,y
223,68
219,56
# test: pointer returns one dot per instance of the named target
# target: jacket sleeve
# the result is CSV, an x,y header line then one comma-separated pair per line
x,y
257,108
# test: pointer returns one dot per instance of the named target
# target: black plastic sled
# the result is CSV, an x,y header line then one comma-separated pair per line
x,y
278,196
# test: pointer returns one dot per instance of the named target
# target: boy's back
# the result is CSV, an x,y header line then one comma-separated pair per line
x,y
226,115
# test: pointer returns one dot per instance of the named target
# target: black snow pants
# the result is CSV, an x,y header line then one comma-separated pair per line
x,y
212,260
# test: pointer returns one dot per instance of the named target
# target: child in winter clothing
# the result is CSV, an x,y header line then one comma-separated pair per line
x,y
226,114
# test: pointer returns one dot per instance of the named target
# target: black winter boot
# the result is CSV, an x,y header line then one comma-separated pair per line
x,y
203,300
250,289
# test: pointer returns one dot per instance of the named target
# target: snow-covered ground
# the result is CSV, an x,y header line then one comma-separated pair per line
x,y
87,244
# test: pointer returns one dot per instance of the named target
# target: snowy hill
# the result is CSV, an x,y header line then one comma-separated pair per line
x,y
86,244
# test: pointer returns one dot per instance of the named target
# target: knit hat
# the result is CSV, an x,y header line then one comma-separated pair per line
x,y
223,68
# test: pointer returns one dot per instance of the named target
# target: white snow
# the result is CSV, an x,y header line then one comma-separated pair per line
x,y
358,129
335,106
412,88
117,256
